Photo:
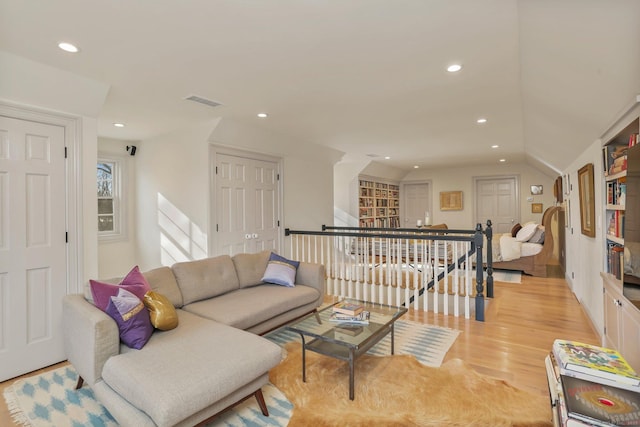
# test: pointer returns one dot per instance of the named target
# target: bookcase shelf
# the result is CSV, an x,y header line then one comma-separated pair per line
x,y
378,204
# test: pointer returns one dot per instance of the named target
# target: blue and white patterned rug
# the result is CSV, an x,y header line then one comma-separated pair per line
x,y
49,399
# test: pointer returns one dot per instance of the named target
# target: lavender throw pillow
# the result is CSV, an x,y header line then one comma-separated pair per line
x,y
280,271
134,282
132,318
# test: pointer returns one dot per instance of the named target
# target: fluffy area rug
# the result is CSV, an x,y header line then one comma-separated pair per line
x,y
400,391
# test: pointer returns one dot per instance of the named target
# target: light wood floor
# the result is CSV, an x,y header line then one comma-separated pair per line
x,y
521,322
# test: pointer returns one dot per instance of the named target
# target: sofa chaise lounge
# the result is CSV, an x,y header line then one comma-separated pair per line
x,y
213,359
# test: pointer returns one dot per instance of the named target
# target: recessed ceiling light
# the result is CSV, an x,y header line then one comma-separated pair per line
x,y
387,158
416,167
454,68
503,160
262,115
481,120
68,47
119,125
495,146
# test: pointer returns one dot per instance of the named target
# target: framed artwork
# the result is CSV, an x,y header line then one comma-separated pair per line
x,y
536,189
587,200
451,200
536,207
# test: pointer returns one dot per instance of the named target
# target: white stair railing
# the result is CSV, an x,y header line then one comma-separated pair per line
x,y
421,269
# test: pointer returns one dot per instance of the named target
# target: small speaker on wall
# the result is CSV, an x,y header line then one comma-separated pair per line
x,y
131,149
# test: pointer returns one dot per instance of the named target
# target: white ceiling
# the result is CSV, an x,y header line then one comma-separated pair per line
x,y
361,76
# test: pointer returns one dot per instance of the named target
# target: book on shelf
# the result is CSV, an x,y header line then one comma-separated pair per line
x,y
595,363
348,308
599,404
359,319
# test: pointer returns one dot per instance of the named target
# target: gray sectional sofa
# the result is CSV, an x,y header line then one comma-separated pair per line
x,y
213,359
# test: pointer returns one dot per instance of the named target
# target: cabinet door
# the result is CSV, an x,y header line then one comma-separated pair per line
x,y
630,334
611,319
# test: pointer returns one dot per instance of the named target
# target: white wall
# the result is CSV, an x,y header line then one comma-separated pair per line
x,y
117,257
585,255
172,177
173,187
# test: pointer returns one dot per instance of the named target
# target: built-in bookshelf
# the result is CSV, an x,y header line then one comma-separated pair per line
x,y
621,226
378,204
614,160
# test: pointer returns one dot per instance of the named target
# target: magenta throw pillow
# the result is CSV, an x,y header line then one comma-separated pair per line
x,y
132,318
133,282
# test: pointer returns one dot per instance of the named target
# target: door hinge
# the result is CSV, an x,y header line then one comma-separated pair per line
x,y
573,276
216,227
66,237
278,177
216,170
65,152
278,223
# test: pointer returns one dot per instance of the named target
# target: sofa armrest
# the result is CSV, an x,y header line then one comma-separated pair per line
x,y
90,337
312,275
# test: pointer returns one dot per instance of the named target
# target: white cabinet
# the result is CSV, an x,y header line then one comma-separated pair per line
x,y
621,322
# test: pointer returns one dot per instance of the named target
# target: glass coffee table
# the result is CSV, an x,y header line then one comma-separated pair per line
x,y
345,341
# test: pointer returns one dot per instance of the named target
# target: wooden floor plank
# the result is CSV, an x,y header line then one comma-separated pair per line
x,y
522,320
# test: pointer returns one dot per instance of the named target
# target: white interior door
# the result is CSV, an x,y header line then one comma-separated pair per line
x,y
33,272
247,204
497,199
416,203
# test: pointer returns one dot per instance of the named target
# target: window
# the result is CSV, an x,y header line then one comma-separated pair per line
x,y
110,197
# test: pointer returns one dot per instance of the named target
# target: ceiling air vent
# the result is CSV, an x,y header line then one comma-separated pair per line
x,y
202,100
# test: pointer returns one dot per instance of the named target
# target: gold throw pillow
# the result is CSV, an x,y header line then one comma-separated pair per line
x,y
161,312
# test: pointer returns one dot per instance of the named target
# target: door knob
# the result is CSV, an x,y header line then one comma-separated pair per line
x,y
247,236
254,235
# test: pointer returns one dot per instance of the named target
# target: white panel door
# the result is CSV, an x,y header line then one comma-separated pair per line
x,y
497,200
33,274
247,205
417,202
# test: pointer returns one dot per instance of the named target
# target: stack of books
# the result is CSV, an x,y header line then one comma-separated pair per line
x,y
348,312
591,386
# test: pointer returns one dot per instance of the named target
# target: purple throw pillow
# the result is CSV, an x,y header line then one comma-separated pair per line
x,y
134,282
132,318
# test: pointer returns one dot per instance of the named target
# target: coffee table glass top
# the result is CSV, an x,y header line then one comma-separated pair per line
x,y
319,325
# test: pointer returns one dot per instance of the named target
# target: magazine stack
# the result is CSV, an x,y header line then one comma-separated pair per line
x,y
591,386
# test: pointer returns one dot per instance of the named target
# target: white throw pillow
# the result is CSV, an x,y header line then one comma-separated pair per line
x,y
538,235
526,232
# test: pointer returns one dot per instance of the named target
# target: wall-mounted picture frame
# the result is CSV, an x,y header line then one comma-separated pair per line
x,y
536,207
451,200
587,200
536,190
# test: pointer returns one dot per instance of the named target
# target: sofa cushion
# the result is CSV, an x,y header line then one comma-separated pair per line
x,y
247,307
200,362
205,278
132,319
133,282
281,271
251,267
164,282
